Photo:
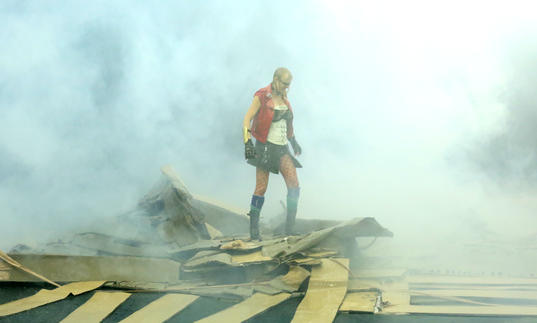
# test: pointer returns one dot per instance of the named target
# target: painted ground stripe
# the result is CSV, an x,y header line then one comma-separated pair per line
x,y
246,309
161,309
98,307
46,296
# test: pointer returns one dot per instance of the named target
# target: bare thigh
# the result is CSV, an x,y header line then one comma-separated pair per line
x,y
288,170
261,181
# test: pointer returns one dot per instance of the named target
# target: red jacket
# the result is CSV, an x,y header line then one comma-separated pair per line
x,y
263,117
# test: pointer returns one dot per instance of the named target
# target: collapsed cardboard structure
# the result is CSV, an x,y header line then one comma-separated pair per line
x,y
187,246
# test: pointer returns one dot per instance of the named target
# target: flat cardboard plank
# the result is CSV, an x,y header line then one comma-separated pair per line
x,y
5,270
396,293
464,310
240,245
5,257
322,254
4,265
174,178
326,291
46,296
250,307
97,308
252,257
426,279
379,273
231,209
363,285
359,302
471,287
161,309
209,257
229,220
306,261
291,281
213,232
478,293
88,268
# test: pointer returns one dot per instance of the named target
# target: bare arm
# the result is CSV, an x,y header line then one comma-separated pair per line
x,y
254,107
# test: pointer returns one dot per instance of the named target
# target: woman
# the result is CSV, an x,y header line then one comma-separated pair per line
x,y
272,127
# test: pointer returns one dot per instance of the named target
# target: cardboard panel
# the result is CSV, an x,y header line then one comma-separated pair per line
x,y
326,290
360,302
507,294
465,310
85,268
424,279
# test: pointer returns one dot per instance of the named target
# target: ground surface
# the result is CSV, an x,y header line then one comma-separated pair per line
x,y
205,306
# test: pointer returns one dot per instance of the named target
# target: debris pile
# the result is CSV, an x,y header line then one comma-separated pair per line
x,y
188,247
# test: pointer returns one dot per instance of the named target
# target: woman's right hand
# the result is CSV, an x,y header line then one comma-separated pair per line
x,y
249,150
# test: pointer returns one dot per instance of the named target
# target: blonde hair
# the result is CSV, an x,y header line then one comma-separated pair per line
x,y
281,71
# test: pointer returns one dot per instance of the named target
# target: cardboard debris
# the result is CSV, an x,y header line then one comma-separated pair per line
x,y
170,206
457,295
470,280
187,246
83,268
227,219
349,229
504,294
106,244
503,310
253,257
378,273
290,282
326,289
8,260
212,231
209,258
395,295
240,245
361,302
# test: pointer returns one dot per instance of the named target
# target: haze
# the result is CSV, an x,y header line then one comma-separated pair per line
x,y
420,114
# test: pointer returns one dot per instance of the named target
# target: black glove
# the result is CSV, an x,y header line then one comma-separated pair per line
x,y
249,150
296,147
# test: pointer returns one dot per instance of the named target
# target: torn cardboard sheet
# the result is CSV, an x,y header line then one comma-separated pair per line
x,y
360,302
326,289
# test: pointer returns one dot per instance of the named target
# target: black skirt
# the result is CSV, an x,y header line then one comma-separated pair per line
x,y
268,156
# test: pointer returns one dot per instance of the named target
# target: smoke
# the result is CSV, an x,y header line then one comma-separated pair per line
x,y
509,155
95,97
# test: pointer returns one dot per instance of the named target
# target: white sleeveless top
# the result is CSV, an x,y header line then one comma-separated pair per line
x,y
278,130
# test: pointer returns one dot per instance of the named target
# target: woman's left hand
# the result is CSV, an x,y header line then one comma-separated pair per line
x,y
296,147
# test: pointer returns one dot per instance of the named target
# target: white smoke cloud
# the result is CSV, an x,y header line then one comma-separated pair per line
x,y
95,97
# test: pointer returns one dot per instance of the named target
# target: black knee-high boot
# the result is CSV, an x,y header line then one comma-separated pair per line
x,y
292,206
255,211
